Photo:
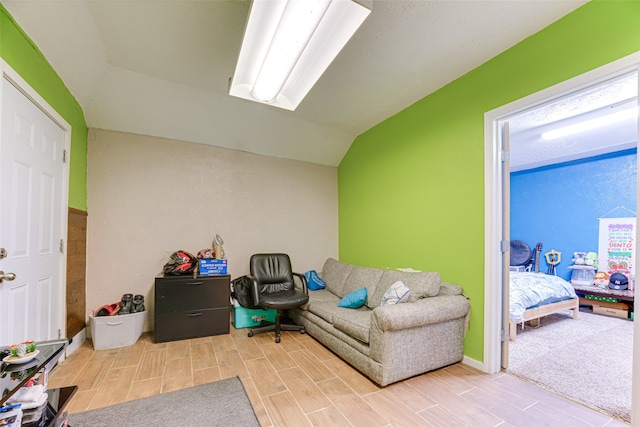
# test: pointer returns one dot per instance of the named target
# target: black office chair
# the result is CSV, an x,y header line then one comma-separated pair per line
x,y
273,287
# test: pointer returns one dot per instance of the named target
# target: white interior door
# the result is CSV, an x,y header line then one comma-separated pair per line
x,y
506,238
32,227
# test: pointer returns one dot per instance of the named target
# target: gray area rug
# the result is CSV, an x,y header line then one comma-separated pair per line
x,y
588,360
221,403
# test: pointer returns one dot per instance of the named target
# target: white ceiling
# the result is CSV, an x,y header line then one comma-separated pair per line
x,y
618,93
162,68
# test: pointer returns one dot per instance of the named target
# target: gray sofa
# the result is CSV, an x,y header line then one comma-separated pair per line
x,y
392,342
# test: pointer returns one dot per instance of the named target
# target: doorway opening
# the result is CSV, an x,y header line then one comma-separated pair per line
x,y
497,208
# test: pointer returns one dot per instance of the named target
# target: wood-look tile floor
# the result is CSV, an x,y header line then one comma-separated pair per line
x,y
301,383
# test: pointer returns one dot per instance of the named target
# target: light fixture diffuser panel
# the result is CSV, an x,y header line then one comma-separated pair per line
x,y
262,24
609,119
340,21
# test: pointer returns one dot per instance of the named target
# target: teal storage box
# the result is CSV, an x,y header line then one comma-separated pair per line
x,y
250,318
212,267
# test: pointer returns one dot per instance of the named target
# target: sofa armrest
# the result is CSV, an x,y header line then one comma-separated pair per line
x,y
449,289
424,311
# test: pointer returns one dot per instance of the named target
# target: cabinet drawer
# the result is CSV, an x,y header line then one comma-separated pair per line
x,y
191,324
182,294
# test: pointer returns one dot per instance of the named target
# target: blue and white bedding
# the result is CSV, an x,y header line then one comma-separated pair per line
x,y
528,290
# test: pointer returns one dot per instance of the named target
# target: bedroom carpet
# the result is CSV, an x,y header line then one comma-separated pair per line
x,y
220,403
588,360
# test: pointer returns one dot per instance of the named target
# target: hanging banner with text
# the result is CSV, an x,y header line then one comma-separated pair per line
x,y
617,245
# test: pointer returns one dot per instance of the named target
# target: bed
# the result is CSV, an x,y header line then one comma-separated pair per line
x,y
535,295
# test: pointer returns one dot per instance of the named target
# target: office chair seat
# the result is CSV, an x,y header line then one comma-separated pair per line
x,y
283,300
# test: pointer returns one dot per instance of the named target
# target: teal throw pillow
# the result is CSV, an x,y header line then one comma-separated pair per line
x,y
355,299
314,282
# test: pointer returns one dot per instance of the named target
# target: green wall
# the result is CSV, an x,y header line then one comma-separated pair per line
x,y
411,189
24,57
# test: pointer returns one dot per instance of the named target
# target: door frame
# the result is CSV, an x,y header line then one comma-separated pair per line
x,y
8,73
493,212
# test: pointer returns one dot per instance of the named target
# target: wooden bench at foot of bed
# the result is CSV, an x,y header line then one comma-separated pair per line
x,y
545,310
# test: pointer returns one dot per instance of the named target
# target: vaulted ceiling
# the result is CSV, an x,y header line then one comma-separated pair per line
x,y
162,68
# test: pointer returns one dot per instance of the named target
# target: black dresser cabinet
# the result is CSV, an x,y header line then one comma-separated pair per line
x,y
190,307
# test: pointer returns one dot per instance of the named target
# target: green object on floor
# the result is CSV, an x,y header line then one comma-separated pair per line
x,y
249,318
600,298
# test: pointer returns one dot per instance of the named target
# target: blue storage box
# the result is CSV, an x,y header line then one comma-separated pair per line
x,y
212,267
248,318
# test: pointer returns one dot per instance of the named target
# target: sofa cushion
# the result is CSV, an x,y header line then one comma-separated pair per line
x,y
355,299
355,323
323,309
335,273
323,295
364,277
396,294
421,284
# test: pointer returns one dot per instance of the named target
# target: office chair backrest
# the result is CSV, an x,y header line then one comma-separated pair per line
x,y
273,271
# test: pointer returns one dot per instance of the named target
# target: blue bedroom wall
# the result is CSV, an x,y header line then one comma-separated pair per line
x,y
559,205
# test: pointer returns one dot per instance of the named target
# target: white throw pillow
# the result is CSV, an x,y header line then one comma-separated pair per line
x,y
396,294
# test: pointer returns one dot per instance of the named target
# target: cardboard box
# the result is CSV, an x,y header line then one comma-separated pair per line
x,y
605,304
249,318
608,311
212,267
116,331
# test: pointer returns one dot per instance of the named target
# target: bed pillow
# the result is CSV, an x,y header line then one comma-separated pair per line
x,y
314,282
396,294
355,299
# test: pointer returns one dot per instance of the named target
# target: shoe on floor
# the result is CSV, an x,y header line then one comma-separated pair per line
x,y
138,304
108,310
127,303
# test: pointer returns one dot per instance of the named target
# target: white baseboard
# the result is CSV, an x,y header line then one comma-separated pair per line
x,y
77,341
474,363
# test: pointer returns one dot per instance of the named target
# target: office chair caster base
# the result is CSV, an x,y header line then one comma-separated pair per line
x,y
250,334
277,339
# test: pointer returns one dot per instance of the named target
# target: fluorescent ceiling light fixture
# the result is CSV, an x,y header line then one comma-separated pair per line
x,y
288,44
609,119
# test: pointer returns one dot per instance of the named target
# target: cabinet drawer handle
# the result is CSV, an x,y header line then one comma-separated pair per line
x,y
194,283
115,323
194,314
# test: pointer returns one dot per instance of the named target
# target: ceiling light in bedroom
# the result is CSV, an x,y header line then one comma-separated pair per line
x,y
609,119
288,44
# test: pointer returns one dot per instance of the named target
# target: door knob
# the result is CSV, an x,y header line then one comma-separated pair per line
x,y
6,276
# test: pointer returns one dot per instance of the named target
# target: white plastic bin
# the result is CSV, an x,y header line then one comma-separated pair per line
x,y
116,331
582,275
